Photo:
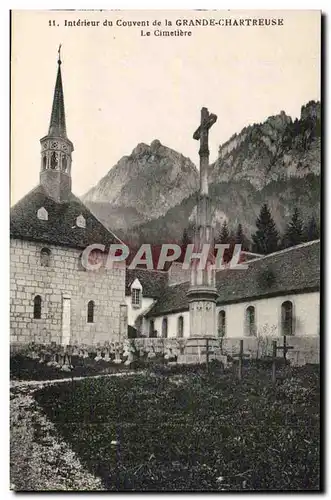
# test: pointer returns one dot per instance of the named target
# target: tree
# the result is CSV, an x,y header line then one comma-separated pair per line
x,y
240,238
265,239
224,235
186,240
294,230
311,231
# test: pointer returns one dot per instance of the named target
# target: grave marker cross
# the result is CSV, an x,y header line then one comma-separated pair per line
x,y
240,356
285,347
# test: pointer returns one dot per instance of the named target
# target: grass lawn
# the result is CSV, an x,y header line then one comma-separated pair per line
x,y
193,431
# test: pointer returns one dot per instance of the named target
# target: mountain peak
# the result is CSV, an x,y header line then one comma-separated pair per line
x,y
155,145
152,179
141,148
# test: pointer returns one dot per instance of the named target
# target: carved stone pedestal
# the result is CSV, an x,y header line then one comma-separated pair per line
x,y
200,350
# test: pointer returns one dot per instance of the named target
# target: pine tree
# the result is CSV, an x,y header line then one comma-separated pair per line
x,y
294,231
311,231
185,238
265,239
224,236
240,238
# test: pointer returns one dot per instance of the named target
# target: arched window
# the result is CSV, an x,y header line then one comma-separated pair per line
x,y
151,328
287,318
90,312
64,163
54,161
250,321
45,257
44,162
221,324
180,327
37,307
165,328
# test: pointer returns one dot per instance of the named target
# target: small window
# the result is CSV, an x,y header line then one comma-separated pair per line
x,y
44,162
80,221
165,328
42,213
136,297
250,321
287,318
152,329
37,307
221,324
90,312
180,327
45,257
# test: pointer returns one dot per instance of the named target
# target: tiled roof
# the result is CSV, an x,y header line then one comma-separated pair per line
x,y
153,282
293,270
60,228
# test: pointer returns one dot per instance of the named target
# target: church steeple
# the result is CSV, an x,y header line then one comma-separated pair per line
x,y
57,126
56,148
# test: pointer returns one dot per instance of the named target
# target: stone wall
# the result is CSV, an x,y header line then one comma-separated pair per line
x,y
64,278
305,349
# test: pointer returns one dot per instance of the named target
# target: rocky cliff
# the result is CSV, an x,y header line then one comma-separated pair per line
x,y
276,149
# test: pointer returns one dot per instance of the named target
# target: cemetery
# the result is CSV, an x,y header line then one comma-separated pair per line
x,y
130,418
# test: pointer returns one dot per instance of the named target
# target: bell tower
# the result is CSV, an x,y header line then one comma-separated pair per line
x,y
56,148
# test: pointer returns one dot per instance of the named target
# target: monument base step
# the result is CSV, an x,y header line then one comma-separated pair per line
x,y
196,359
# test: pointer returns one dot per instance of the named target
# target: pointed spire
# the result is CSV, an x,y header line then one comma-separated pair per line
x,y
57,126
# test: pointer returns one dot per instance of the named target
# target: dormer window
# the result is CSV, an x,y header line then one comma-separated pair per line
x,y
42,213
80,221
136,297
136,294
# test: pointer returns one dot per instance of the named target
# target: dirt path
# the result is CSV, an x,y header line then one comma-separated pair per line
x,y
39,459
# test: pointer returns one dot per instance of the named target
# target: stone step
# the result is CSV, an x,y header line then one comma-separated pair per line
x,y
196,359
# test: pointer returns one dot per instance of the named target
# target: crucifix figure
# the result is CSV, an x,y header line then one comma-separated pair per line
x,y
201,134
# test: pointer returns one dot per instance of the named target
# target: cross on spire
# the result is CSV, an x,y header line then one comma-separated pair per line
x,y
59,52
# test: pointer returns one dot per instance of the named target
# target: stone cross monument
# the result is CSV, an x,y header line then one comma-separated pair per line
x,y
202,293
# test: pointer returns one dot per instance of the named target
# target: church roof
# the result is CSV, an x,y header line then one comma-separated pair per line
x,y
153,282
60,228
290,271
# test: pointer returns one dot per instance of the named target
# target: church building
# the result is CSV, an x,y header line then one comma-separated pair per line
x,y
53,298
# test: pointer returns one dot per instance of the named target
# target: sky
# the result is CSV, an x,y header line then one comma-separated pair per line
x,y
121,88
